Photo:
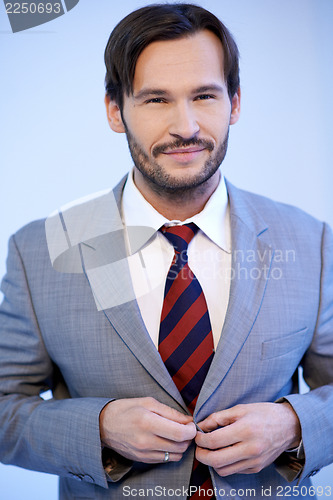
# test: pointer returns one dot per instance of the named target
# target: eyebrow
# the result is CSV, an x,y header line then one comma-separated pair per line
x,y
208,88
149,92
142,94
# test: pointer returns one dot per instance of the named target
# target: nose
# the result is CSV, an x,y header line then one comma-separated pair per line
x,y
183,123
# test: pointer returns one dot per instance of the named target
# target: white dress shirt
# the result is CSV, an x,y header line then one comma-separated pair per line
x,y
209,256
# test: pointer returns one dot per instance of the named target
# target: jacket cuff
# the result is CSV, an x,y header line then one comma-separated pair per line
x,y
290,464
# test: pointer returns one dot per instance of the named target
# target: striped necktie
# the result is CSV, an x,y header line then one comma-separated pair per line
x,y
185,340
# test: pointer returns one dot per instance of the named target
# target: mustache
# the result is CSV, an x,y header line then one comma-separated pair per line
x,y
182,143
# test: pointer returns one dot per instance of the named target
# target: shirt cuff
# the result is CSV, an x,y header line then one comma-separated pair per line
x,y
299,451
115,465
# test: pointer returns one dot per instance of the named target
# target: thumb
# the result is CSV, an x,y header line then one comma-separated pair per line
x,y
217,420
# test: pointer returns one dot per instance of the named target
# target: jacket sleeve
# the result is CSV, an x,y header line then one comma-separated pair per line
x,y
315,408
57,436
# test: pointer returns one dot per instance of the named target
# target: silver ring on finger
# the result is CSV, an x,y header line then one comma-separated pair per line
x,y
166,456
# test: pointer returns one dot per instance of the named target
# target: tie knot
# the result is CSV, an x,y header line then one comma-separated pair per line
x,y
180,236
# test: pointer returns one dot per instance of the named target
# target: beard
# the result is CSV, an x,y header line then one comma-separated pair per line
x,y
163,183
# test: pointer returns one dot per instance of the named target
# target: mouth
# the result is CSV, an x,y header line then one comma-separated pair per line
x,y
185,155
193,149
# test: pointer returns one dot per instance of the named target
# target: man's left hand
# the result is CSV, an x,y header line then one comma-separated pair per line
x,y
246,438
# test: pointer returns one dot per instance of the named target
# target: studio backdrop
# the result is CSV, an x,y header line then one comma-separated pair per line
x,y
56,145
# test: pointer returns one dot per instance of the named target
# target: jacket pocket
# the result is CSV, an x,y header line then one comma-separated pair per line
x,y
284,344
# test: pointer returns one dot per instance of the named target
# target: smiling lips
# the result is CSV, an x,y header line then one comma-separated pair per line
x,y
185,154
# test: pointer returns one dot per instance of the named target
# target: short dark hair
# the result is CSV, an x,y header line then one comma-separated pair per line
x,y
155,23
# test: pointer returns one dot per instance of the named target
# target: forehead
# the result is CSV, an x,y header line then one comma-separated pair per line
x,y
181,61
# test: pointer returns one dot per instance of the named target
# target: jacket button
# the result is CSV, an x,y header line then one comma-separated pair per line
x,y
78,477
81,477
88,478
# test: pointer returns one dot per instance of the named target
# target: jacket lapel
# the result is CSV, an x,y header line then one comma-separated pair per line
x,y
126,320
111,285
251,262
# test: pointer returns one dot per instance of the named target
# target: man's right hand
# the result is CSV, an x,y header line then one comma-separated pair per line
x,y
142,429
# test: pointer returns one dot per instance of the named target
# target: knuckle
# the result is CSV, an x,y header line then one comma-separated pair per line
x,y
215,464
183,446
240,410
145,421
181,434
180,448
256,449
149,401
201,456
256,465
202,440
256,468
209,441
220,471
250,429
141,443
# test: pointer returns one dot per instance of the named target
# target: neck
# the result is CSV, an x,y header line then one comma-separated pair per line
x,y
180,204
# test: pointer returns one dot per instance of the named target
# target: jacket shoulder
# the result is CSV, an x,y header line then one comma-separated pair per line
x,y
33,231
273,212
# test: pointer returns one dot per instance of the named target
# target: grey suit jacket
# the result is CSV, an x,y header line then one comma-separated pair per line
x,y
62,327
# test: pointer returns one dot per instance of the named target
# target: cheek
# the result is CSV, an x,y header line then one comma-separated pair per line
x,y
145,138
214,123
139,134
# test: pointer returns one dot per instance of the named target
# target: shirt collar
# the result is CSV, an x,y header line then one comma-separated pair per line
x,y
213,220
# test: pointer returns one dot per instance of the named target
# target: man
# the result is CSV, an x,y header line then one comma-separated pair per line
x,y
85,307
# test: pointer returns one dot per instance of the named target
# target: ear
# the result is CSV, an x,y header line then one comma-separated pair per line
x,y
235,107
114,115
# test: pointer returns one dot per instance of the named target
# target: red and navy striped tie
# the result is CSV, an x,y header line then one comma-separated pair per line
x,y
185,340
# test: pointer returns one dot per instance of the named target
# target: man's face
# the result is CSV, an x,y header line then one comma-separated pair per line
x,y
178,117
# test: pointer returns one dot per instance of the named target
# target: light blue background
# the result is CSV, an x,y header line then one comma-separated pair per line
x,y
56,145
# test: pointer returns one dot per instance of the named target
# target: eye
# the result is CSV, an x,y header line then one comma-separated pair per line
x,y
155,100
204,97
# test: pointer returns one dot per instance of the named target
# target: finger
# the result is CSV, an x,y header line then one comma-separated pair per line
x,y
168,412
157,457
171,430
227,457
172,457
242,467
219,438
219,419
164,445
